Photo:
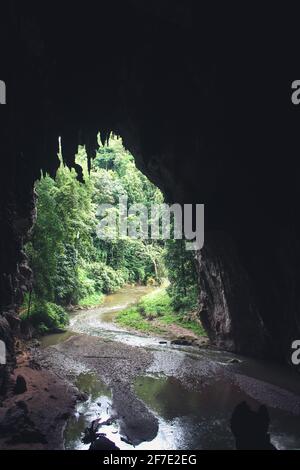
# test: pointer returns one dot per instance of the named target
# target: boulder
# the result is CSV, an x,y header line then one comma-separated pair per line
x,y
103,443
20,385
17,425
183,341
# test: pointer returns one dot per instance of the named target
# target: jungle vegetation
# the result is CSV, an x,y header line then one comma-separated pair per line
x,y
72,266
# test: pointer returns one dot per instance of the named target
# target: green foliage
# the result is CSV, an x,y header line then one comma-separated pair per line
x,y
92,300
132,318
178,318
115,174
61,236
182,275
99,277
156,306
71,265
46,316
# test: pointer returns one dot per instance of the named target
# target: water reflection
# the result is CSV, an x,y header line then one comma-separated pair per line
x,y
200,418
188,418
98,405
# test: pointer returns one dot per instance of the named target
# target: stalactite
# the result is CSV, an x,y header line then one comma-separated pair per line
x,y
79,172
69,146
104,136
91,145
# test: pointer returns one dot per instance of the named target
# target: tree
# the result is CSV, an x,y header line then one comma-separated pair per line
x,y
182,275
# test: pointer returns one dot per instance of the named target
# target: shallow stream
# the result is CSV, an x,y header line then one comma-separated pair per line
x,y
191,391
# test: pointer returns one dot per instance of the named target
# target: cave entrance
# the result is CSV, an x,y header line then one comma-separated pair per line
x,y
106,301
124,310
79,255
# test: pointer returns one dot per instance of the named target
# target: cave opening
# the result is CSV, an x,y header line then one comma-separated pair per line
x,y
203,102
101,227
98,308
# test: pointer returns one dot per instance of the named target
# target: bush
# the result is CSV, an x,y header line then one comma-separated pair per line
x,y
86,285
181,302
131,318
106,279
92,300
46,317
155,304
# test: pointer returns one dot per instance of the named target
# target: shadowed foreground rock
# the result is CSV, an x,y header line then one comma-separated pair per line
x,y
98,441
19,428
102,443
20,385
250,428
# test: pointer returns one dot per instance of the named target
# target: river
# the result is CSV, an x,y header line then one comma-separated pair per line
x,y
156,395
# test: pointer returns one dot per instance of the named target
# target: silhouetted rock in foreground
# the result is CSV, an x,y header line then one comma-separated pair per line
x,y
98,441
250,428
20,385
19,428
102,443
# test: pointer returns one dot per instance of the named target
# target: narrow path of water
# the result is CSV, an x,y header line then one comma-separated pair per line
x,y
100,321
190,392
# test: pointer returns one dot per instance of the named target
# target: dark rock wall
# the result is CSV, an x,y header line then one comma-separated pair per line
x,y
226,296
202,99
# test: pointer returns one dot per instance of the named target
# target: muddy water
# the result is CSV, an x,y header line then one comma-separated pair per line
x,y
99,321
190,391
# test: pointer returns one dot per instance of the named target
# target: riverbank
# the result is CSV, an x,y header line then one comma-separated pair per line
x,y
154,314
25,421
91,301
